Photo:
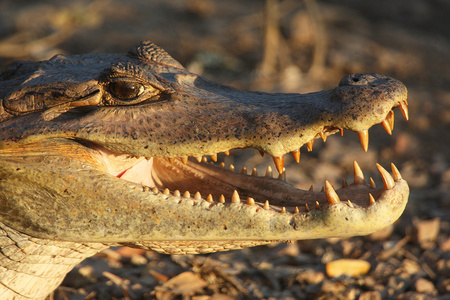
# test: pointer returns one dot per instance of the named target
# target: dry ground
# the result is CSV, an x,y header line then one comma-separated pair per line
x,y
311,46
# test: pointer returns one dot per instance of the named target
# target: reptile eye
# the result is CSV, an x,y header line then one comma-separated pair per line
x,y
126,90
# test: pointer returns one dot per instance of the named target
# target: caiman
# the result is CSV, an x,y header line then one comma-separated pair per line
x,y
103,150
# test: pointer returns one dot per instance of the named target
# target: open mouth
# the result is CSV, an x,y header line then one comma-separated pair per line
x,y
205,179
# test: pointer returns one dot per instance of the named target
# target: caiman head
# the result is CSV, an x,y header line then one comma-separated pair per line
x,y
114,148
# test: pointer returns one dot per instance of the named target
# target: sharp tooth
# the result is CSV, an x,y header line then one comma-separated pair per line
x,y
254,172
226,152
395,173
387,178
197,196
296,155
244,149
231,168
406,101
235,197
279,163
311,188
147,158
309,145
198,158
187,195
390,120
323,136
386,126
296,210
184,159
222,165
176,193
371,199
317,205
350,204
146,188
155,190
244,170
166,192
222,199
269,172
266,205
214,157
372,183
404,109
364,139
250,201
171,160
341,131
210,199
283,210
332,197
204,159
344,183
261,153
358,174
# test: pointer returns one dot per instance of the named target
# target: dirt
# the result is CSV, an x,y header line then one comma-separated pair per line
x,y
317,42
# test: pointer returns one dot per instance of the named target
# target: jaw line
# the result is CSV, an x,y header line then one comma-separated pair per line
x,y
187,179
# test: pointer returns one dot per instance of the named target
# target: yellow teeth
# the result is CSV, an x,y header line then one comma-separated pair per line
x,y
372,183
390,119
332,197
388,181
210,199
279,163
269,172
344,182
364,139
309,145
250,201
235,197
386,126
296,155
395,173
358,174
404,109
371,199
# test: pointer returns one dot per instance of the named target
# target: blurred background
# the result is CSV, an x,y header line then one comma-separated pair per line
x,y
280,46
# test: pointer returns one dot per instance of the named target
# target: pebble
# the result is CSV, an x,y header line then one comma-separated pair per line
x,y
348,267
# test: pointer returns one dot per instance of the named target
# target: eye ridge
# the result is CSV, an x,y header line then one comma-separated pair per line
x,y
126,90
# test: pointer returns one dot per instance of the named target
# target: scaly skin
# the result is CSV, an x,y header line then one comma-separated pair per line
x,y
87,160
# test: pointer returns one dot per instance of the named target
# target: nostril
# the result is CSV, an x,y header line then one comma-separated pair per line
x,y
355,79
